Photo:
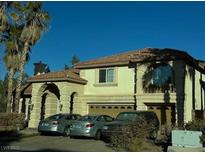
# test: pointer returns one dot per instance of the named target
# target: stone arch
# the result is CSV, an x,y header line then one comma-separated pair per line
x,y
49,97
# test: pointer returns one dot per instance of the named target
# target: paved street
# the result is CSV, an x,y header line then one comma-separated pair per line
x,y
55,143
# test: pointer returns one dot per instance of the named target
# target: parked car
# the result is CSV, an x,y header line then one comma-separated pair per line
x,y
127,118
59,123
89,126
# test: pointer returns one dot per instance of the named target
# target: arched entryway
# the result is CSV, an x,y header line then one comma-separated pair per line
x,y
49,101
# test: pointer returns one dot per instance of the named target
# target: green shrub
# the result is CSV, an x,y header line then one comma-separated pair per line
x,y
12,120
133,136
143,145
196,125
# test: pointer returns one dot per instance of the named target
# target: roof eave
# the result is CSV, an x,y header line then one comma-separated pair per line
x,y
101,65
57,80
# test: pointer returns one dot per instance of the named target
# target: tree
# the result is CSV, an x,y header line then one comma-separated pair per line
x,y
29,21
75,60
66,67
34,22
10,32
11,65
3,103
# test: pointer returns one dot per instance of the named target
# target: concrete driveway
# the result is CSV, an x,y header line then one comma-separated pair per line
x,y
55,143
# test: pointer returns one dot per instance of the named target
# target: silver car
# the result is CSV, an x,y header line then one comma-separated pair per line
x,y
89,126
59,123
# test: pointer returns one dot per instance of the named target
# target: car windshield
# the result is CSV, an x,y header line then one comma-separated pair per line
x,y
126,117
55,117
87,118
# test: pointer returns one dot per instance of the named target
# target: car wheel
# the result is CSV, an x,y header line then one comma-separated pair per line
x,y
66,132
98,135
71,136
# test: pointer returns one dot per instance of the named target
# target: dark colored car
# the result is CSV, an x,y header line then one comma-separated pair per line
x,y
127,118
89,126
59,123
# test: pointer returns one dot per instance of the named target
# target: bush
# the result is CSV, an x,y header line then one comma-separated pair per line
x,y
132,137
12,120
143,145
197,125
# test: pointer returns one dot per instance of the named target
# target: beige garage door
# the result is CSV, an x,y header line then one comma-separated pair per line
x,y
165,113
111,110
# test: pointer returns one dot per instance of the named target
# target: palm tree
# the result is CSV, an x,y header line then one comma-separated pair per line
x,y
9,37
35,22
11,62
12,58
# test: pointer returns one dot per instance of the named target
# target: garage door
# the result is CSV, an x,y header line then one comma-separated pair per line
x,y
165,113
111,110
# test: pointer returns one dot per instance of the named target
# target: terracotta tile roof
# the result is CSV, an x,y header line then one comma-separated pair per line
x,y
146,54
26,89
202,64
65,75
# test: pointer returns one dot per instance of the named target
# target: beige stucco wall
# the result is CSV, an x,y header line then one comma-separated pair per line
x,y
53,103
124,82
123,91
198,93
188,93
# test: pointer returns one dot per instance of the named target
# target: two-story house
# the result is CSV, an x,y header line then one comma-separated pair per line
x,y
166,81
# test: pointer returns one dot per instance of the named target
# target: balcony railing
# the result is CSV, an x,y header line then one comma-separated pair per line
x,y
160,89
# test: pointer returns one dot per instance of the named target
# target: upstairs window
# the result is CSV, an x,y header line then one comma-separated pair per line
x,y
162,75
106,75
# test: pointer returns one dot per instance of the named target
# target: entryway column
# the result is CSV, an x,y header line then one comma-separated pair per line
x,y
65,102
20,105
35,111
28,100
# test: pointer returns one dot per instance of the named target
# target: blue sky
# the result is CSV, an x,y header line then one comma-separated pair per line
x,y
94,29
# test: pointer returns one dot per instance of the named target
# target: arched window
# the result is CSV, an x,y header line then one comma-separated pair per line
x,y
162,74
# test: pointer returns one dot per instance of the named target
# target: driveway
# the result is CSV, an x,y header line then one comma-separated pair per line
x,y
55,143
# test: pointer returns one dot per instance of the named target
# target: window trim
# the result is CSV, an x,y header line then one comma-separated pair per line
x,y
106,75
97,73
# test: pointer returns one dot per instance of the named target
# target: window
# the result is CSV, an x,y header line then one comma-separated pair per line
x,y
101,118
162,75
108,118
106,75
